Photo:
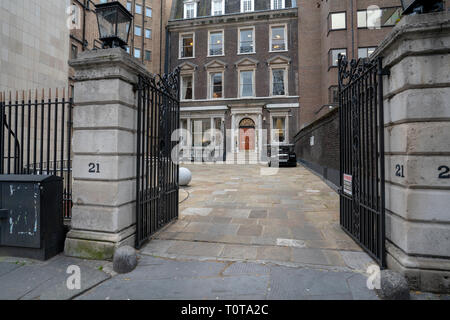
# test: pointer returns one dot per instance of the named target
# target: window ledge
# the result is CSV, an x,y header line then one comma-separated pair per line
x,y
246,53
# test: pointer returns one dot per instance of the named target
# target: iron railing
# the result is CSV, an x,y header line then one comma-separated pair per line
x,y
35,137
362,212
158,117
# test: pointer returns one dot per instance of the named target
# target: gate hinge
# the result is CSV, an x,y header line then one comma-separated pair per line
x,y
386,71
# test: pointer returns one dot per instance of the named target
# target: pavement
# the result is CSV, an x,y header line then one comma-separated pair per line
x,y
242,235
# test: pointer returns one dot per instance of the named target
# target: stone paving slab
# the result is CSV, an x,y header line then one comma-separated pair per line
x,y
35,280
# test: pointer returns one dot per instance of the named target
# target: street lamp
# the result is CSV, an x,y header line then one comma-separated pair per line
x,y
421,6
114,22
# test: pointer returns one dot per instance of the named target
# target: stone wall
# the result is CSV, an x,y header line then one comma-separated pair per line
x,y
317,146
34,41
417,135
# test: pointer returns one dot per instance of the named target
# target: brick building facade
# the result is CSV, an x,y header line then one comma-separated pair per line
x,y
147,41
239,65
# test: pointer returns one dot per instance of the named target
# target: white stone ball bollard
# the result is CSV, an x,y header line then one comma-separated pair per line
x,y
185,176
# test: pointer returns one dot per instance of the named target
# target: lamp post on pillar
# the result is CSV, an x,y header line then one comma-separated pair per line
x,y
104,141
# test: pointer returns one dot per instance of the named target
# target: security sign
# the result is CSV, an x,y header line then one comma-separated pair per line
x,y
348,181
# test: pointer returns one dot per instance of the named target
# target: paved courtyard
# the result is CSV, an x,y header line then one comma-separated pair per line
x,y
243,212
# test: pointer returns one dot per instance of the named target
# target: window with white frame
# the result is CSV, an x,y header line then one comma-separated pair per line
x,y
278,4
187,87
148,12
216,85
190,10
279,81
148,33
217,7
215,44
247,40
247,5
278,38
246,83
187,45
279,129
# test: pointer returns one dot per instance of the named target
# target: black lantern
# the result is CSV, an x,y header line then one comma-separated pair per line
x,y
422,6
114,22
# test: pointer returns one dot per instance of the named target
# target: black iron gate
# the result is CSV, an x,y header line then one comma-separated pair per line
x,y
156,169
36,135
362,194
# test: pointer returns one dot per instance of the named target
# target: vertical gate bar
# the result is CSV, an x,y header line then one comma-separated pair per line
x,y
63,118
55,142
138,165
69,154
155,160
41,168
22,134
48,129
9,122
29,132
147,159
376,103
382,233
16,151
35,132
152,158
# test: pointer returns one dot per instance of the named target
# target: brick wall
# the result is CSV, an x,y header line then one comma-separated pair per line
x,y
323,156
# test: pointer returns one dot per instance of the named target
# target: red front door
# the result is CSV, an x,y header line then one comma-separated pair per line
x,y
247,139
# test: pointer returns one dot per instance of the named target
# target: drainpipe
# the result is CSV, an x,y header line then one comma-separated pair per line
x,y
83,45
143,31
353,29
163,2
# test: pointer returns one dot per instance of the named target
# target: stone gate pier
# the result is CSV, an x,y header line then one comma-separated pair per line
x,y
417,145
104,153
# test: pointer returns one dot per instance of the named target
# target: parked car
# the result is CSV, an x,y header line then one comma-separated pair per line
x,y
282,156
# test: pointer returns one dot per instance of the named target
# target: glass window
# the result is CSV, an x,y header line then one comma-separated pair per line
x,y
137,53
216,43
333,95
337,21
199,129
148,12
129,5
137,31
187,46
246,5
246,38
334,56
148,33
278,38
187,87
384,17
127,48
278,85
190,10
246,82
183,136
279,129
138,9
216,83
217,7
277,4
365,52
148,55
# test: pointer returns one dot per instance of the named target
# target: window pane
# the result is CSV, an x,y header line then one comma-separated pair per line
x,y
216,83
278,82
246,83
246,38
217,7
186,93
216,43
138,9
189,10
362,19
279,129
148,12
129,6
148,33
334,56
187,46
278,39
247,5
137,31
338,21
278,4
148,55
390,16
137,53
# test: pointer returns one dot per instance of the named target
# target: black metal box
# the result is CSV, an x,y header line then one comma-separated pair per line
x,y
31,216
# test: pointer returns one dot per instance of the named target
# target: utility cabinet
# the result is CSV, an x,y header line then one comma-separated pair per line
x,y
31,216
